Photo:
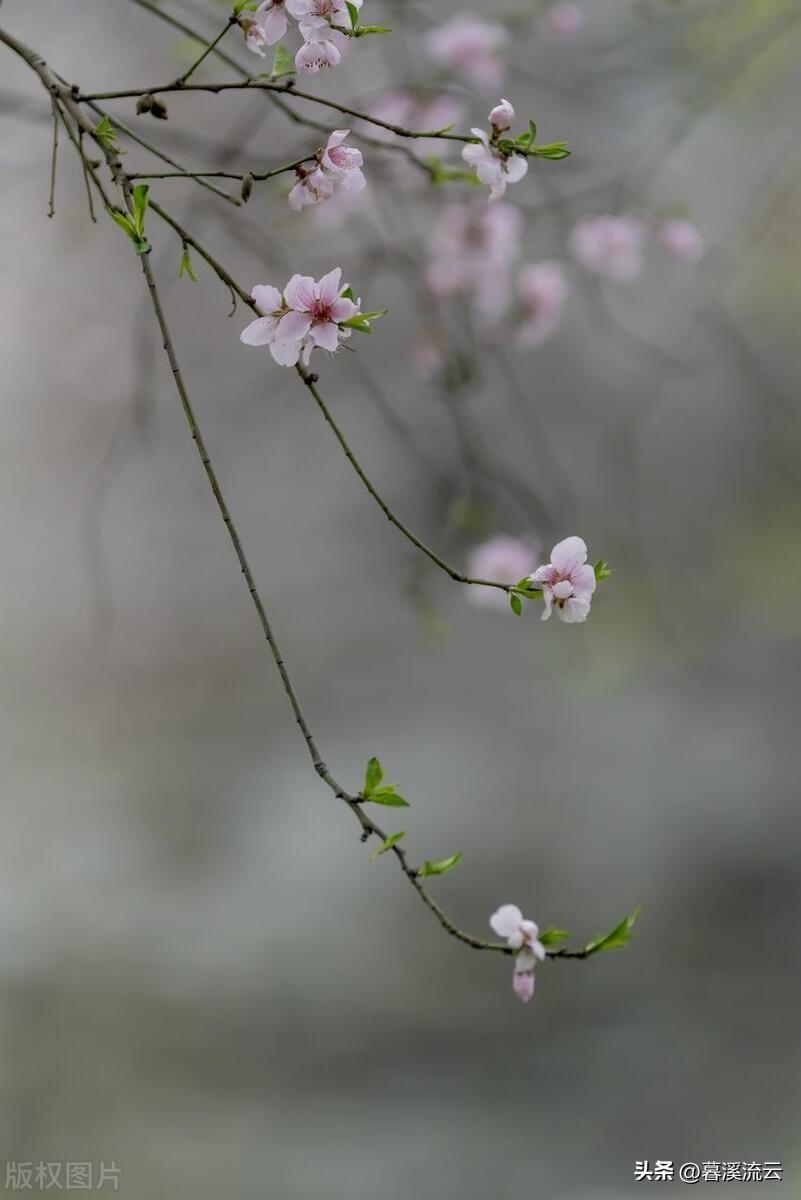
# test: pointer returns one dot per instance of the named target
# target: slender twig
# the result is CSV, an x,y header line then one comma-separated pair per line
x,y
310,380
135,137
256,176
51,206
181,80
286,89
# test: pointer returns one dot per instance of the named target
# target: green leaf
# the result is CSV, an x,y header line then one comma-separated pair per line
x,y
366,30
124,222
186,267
140,193
106,134
552,936
372,776
602,570
442,866
516,603
555,151
362,322
391,841
441,173
616,938
354,14
532,128
387,796
282,62
349,293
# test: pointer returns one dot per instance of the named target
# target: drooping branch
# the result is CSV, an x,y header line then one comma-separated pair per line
x,y
64,100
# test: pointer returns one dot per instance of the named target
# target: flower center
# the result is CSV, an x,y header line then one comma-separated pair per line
x,y
320,312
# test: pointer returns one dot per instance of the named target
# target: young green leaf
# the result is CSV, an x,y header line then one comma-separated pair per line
x,y
387,796
362,322
553,936
442,866
354,14
186,267
372,776
106,134
616,938
516,603
391,841
140,193
602,570
282,63
554,151
348,293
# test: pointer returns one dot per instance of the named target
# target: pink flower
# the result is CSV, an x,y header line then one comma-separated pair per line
x,y
543,289
683,240
610,246
271,16
472,47
502,558
308,314
322,306
492,167
567,582
278,327
521,935
523,977
312,187
255,37
502,117
343,163
565,19
313,56
508,922
316,17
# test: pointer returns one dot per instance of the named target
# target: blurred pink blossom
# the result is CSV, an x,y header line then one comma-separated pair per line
x,y
504,559
542,287
565,18
567,582
472,47
472,248
683,240
610,246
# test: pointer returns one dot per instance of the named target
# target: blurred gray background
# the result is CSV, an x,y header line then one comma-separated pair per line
x,y
202,976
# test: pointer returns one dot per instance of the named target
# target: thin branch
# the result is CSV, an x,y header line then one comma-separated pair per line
x,y
310,380
135,137
181,80
256,176
51,206
286,89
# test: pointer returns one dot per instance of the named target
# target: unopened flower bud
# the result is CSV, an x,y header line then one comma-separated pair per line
x,y
502,116
144,104
247,187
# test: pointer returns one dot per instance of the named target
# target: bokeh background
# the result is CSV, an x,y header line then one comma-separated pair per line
x,y
202,976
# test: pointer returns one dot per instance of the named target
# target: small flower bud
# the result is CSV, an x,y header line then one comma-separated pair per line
x,y
158,109
144,104
502,117
247,187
